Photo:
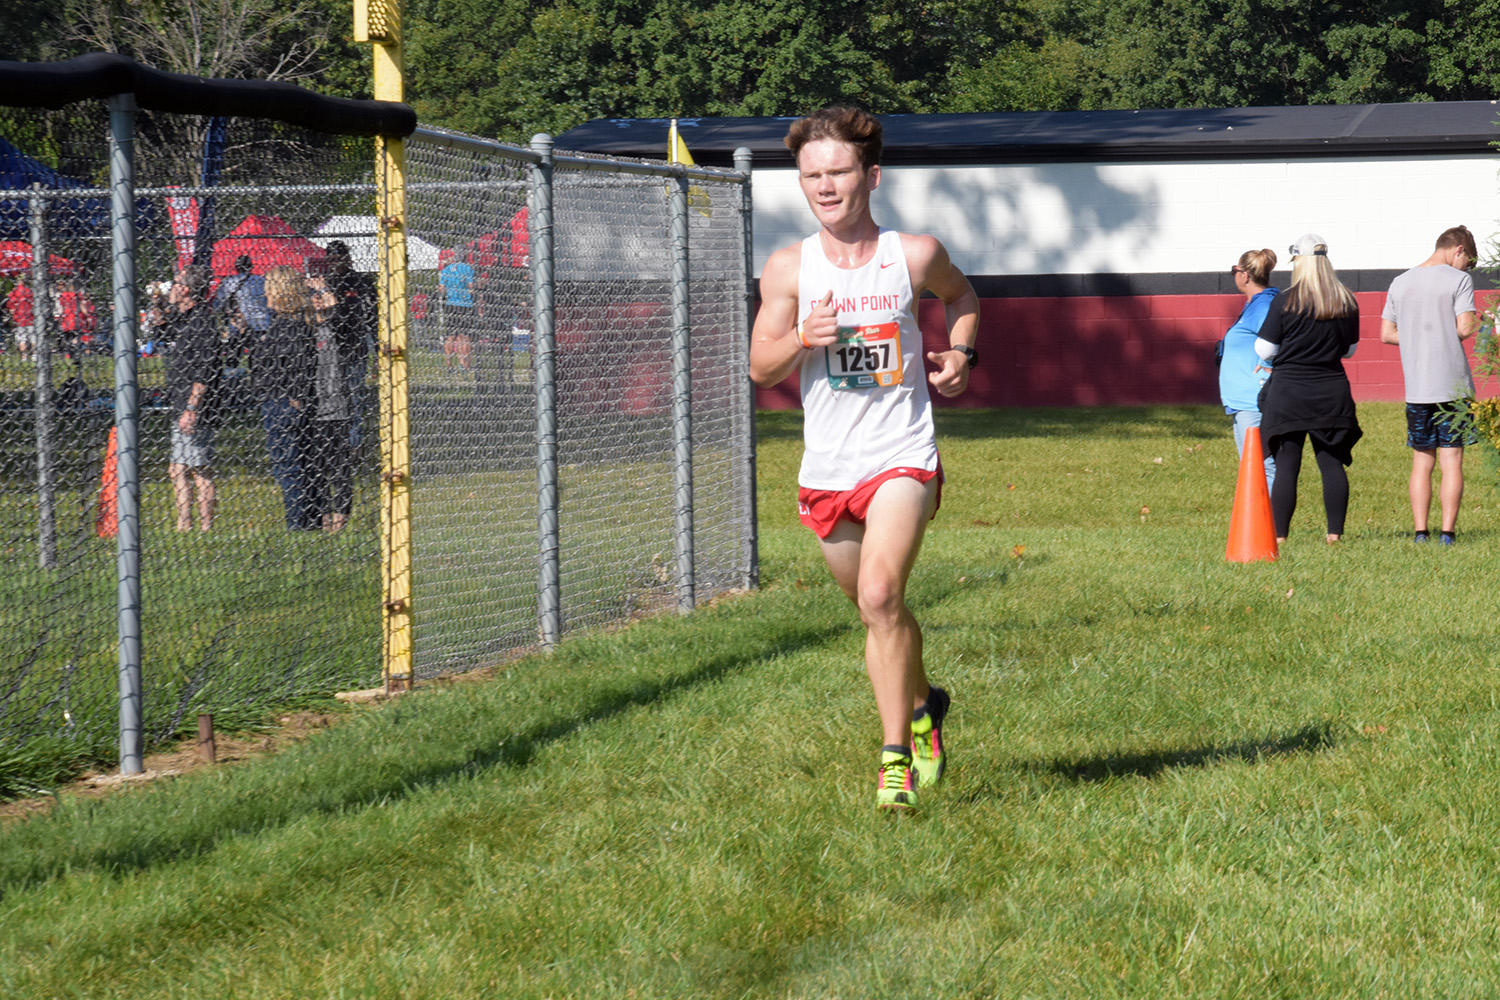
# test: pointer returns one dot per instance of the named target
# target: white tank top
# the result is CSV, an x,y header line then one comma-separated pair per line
x,y
864,400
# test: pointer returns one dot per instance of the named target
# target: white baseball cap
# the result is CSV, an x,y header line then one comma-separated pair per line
x,y
1306,246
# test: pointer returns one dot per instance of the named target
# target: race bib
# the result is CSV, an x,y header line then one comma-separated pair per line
x,y
866,357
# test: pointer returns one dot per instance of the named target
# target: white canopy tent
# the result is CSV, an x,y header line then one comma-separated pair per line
x,y
358,233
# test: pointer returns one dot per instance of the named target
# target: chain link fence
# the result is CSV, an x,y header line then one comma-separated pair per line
x,y
474,399
259,437
246,599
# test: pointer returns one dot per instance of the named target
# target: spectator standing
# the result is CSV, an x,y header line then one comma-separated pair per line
x,y
1241,371
283,366
1429,312
1309,330
77,319
245,292
460,309
194,366
354,322
21,305
330,460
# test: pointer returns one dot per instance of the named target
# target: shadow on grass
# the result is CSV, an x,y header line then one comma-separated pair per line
x,y
103,836
1312,738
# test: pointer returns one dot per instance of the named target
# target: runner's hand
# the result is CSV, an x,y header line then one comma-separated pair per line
x,y
821,327
952,376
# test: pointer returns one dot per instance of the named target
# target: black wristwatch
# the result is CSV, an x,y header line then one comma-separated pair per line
x,y
967,352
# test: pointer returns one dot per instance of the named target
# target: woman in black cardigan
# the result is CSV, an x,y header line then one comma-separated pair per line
x,y
1309,331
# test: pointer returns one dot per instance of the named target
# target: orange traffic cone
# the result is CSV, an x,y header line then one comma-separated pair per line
x,y
1252,531
106,520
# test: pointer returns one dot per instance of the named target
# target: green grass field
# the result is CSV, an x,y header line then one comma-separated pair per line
x,y
1172,776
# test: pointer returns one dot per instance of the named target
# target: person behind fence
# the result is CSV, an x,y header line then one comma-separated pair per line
x,y
1429,312
77,319
329,460
1309,330
20,305
245,291
283,369
355,324
839,310
458,317
1241,371
194,366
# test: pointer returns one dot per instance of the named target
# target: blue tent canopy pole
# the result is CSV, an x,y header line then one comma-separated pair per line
x,y
214,143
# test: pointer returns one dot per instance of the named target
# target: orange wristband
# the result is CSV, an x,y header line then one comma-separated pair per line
x,y
801,339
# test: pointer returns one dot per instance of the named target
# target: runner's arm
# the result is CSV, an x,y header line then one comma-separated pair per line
x,y
776,343
932,269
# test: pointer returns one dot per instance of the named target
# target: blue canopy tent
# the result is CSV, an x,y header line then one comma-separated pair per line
x,y
66,217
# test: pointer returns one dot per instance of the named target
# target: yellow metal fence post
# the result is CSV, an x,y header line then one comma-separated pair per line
x,y
378,21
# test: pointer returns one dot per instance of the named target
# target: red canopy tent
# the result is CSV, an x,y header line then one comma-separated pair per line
x,y
512,246
269,242
15,258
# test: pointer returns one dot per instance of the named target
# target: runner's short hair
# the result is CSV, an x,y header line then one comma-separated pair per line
x,y
1458,236
859,129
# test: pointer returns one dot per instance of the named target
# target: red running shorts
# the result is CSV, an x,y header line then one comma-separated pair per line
x,y
821,510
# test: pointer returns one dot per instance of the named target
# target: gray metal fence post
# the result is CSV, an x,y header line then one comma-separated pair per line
x,y
549,577
682,397
742,163
127,451
46,418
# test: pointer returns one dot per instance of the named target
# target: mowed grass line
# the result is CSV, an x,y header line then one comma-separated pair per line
x,y
1173,776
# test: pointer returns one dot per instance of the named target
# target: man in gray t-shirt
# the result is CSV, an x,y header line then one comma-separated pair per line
x,y
1429,312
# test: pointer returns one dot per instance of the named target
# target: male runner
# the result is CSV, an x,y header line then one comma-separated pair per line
x,y
1429,312
839,309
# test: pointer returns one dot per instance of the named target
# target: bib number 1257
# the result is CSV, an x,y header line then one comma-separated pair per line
x,y
865,357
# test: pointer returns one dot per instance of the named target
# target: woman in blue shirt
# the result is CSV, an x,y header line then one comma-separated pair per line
x,y
1241,371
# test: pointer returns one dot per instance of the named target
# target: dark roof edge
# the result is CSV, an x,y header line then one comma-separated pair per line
x,y
1455,128
101,75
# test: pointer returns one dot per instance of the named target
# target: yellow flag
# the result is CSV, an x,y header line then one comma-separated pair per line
x,y
677,152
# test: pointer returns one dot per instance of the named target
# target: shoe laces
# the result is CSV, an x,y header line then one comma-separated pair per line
x,y
893,772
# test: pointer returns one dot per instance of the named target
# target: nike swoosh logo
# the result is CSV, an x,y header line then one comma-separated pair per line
x,y
884,266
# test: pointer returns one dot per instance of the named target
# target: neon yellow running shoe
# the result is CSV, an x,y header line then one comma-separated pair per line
x,y
896,787
927,738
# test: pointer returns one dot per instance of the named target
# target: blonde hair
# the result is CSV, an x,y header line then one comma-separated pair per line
x,y
286,291
1315,288
1258,265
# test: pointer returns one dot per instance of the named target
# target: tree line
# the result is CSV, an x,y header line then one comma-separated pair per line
x,y
511,68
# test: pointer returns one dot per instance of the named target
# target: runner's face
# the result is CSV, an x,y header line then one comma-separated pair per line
x,y
836,186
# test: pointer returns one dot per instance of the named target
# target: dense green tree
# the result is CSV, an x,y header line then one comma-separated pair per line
x,y
510,68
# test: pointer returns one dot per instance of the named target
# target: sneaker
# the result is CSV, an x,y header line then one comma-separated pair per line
x,y
1421,537
896,787
927,737
1446,537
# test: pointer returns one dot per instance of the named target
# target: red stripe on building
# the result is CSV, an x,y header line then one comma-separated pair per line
x,y
1120,351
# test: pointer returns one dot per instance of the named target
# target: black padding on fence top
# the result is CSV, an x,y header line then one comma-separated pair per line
x,y
101,75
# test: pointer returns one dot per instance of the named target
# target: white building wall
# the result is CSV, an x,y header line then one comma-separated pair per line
x,y
1118,218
